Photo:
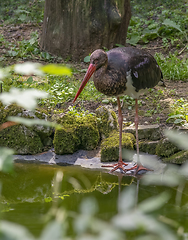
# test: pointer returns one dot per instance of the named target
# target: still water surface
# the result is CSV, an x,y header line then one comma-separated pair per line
x,y
26,194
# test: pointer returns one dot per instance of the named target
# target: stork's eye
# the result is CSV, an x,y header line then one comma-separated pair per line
x,y
96,61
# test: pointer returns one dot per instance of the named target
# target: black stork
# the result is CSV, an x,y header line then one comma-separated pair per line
x,y
123,71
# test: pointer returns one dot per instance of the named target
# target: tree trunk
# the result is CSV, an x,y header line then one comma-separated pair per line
x,y
75,28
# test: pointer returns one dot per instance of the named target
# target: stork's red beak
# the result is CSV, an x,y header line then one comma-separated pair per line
x,y
90,71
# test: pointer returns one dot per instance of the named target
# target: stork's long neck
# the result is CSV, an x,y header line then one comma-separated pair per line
x,y
99,74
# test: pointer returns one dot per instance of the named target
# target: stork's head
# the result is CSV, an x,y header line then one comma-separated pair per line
x,y
97,59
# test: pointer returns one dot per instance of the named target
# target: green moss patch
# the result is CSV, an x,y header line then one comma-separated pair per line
x,y
88,135
10,110
78,132
110,146
107,121
165,148
148,146
66,140
22,139
177,158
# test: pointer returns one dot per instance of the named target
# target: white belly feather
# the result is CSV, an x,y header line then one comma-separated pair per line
x,y
130,90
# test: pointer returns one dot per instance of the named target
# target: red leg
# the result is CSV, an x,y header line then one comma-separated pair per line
x,y
136,128
120,164
138,166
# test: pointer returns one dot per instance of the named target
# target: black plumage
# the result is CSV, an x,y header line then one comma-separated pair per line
x,y
123,71
115,66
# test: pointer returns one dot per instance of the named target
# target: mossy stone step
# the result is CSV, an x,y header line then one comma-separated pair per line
x,y
148,146
150,132
110,146
22,139
177,158
165,148
77,132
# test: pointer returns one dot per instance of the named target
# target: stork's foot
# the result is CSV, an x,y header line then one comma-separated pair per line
x,y
139,169
120,165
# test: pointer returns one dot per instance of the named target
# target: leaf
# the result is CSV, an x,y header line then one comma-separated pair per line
x,y
56,70
119,45
184,169
154,203
7,124
127,199
87,59
105,101
135,37
83,70
151,162
127,221
22,17
31,122
89,207
137,220
32,41
178,138
2,59
52,231
12,231
161,179
178,121
149,34
29,80
12,53
150,31
147,237
26,98
170,23
6,160
175,116
81,223
153,26
46,55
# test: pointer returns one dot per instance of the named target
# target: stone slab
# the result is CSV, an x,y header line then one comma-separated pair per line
x,y
150,132
82,158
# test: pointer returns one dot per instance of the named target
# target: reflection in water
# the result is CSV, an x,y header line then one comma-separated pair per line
x,y
137,190
120,177
28,194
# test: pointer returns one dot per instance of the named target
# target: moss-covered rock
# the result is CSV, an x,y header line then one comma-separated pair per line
x,y
66,140
110,145
165,148
10,110
78,132
177,158
150,132
34,139
89,136
107,121
43,131
22,139
148,146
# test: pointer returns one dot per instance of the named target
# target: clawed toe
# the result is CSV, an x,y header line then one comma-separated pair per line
x,y
120,165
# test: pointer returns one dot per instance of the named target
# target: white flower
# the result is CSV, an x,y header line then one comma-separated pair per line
x,y
28,68
24,98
